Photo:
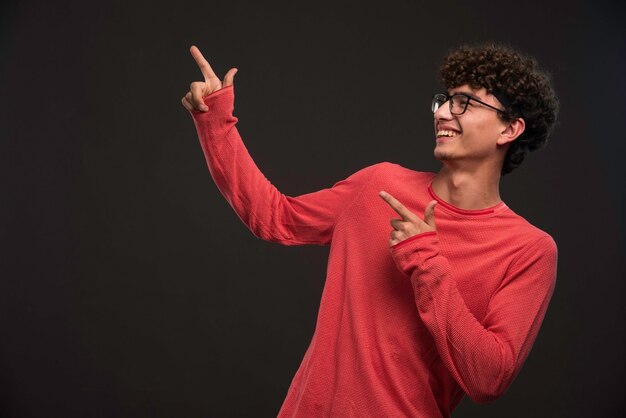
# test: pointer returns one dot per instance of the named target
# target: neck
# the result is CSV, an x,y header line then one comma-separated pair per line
x,y
468,189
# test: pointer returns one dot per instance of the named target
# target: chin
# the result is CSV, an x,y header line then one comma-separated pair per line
x,y
442,155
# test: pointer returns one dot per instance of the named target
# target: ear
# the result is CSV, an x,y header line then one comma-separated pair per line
x,y
511,131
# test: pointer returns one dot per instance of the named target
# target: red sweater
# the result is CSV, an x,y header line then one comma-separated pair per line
x,y
404,331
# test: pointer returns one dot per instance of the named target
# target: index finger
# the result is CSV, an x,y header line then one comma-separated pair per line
x,y
406,214
206,69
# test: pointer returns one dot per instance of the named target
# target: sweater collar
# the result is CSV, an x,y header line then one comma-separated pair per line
x,y
466,212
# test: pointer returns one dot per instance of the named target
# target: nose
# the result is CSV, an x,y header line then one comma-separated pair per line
x,y
443,112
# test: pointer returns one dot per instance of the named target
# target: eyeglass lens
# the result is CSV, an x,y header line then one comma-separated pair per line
x,y
458,103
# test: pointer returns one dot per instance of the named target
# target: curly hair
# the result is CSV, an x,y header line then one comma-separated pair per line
x,y
516,80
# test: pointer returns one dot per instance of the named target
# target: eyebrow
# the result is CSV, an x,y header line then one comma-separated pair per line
x,y
467,94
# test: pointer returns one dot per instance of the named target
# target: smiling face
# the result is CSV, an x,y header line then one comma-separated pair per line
x,y
473,137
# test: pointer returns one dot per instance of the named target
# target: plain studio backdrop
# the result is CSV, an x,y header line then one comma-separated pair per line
x,y
130,288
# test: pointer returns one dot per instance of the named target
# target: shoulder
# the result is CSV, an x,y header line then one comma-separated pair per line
x,y
388,174
402,183
388,168
365,173
532,239
543,243
399,172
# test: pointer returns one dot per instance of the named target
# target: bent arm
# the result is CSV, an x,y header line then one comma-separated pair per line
x,y
483,358
269,214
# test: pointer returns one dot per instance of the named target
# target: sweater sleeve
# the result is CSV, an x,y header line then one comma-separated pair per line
x,y
269,214
483,358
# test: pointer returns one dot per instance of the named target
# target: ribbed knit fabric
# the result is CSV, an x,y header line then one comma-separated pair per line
x,y
404,331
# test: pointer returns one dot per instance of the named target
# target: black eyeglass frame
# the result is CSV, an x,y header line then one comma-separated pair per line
x,y
450,96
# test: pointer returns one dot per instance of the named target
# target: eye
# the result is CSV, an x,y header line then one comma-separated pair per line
x,y
462,100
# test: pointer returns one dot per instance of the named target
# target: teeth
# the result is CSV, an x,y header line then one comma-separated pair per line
x,y
444,132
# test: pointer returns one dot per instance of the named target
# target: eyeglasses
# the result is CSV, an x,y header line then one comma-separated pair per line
x,y
458,103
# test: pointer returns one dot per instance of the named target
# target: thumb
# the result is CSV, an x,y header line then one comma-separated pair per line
x,y
229,77
429,214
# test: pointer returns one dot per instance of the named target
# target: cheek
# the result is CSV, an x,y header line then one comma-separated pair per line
x,y
485,130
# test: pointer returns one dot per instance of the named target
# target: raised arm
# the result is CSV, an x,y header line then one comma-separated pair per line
x,y
269,214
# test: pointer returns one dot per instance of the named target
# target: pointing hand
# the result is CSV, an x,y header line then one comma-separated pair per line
x,y
193,100
410,224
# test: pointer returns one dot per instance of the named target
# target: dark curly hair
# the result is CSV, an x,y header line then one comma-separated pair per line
x,y
514,78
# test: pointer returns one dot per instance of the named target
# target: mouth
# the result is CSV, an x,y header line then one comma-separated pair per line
x,y
444,135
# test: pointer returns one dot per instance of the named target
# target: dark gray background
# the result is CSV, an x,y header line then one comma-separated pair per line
x,y
129,287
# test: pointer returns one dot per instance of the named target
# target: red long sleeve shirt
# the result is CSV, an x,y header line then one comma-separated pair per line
x,y
402,331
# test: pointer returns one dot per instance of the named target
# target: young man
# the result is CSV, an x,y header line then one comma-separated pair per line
x,y
416,312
